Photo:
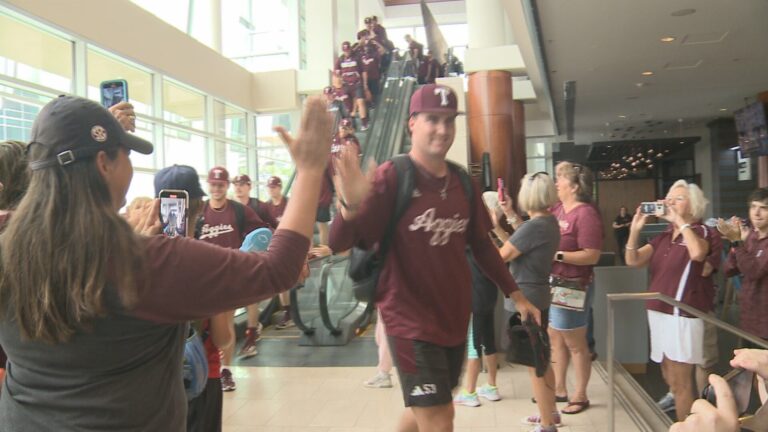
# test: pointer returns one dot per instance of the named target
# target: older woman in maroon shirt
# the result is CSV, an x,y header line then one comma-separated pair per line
x,y
676,260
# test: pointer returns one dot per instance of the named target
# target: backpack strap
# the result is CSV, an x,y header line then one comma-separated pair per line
x,y
404,169
466,180
239,216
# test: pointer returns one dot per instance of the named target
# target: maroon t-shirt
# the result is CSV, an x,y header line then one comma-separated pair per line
x,y
674,273
751,261
341,95
351,69
581,228
220,226
262,211
276,210
326,191
371,62
425,288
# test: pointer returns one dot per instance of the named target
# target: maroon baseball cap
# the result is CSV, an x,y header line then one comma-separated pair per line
x,y
368,20
346,46
347,122
241,179
274,181
434,98
218,174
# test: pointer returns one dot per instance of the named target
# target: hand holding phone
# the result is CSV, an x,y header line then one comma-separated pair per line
x,y
174,205
653,208
113,92
740,383
500,189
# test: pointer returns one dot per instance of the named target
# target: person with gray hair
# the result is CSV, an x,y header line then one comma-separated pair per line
x,y
676,259
529,252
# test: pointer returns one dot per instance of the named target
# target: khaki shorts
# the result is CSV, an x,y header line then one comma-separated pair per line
x,y
710,354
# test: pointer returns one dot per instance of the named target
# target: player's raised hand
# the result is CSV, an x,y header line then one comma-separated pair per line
x,y
310,149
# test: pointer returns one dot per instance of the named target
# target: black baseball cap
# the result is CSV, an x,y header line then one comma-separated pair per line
x,y
77,129
180,177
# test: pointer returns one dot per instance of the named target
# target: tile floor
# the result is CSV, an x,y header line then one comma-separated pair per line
x,y
332,399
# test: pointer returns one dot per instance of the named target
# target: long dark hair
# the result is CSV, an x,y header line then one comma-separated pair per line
x,y
63,245
14,175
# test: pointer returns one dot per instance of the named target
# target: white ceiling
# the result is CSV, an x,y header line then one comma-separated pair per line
x,y
720,57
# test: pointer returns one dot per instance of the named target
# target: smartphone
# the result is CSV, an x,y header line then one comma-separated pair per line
x,y
113,92
740,382
652,208
174,206
500,188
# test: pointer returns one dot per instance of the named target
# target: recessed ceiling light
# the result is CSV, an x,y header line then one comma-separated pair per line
x,y
683,12
622,116
723,109
668,39
647,73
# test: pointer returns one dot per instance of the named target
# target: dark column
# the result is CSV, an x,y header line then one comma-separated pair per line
x,y
762,161
490,119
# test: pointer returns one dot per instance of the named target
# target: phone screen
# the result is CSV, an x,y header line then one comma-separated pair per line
x,y
113,92
173,212
500,188
740,382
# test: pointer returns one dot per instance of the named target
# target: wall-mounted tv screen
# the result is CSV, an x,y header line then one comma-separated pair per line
x,y
752,129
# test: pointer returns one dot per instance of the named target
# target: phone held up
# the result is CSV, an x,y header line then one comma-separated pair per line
x,y
653,208
174,205
113,92
740,382
500,189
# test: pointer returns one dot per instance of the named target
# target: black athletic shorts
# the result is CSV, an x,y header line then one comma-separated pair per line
x,y
354,91
323,214
428,373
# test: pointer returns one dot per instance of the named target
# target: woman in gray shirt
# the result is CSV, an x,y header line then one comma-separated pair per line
x,y
529,251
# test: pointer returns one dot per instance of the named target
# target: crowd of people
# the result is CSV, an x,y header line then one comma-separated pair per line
x,y
95,307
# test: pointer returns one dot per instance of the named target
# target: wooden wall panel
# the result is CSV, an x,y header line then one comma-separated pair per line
x,y
612,194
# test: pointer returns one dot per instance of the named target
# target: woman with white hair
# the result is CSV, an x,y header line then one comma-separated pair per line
x,y
676,260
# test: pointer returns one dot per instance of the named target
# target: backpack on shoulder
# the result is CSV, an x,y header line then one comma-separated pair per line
x,y
365,265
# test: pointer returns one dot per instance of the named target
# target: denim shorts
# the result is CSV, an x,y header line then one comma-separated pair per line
x,y
566,319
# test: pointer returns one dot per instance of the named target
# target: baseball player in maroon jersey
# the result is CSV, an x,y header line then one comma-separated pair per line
x,y
354,80
424,292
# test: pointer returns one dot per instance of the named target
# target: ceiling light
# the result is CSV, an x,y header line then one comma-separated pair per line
x,y
650,165
650,151
658,155
668,39
622,116
646,73
734,148
682,142
723,109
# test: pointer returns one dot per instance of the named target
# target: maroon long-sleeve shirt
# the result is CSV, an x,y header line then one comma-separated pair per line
x,y
425,288
751,261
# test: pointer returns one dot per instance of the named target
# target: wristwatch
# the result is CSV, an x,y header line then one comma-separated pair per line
x,y
559,257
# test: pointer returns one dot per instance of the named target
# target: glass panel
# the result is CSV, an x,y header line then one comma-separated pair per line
x,y
185,148
229,121
142,185
237,160
144,130
261,35
272,156
16,118
536,165
535,149
183,106
42,58
102,68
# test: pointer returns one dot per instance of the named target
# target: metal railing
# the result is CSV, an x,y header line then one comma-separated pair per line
x,y
672,302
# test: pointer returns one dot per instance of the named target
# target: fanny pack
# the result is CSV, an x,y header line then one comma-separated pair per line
x,y
568,293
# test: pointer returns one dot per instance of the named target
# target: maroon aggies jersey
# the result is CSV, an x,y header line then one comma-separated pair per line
x,y
220,226
339,94
326,191
350,69
371,61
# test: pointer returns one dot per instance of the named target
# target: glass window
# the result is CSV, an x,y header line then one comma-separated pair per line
x,y
142,185
183,106
534,165
236,159
144,130
185,148
229,121
16,117
42,58
103,67
272,156
534,149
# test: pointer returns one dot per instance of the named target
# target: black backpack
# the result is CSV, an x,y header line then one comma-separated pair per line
x,y
365,264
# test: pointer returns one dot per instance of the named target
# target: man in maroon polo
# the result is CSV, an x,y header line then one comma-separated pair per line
x,y
424,291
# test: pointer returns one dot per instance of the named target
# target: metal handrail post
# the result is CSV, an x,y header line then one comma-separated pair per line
x,y
611,369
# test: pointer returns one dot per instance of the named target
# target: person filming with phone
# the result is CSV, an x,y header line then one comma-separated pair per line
x,y
93,316
676,259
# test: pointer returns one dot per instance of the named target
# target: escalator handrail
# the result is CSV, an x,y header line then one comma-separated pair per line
x,y
325,315
295,310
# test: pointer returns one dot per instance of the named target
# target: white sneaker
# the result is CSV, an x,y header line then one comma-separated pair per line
x,y
380,380
489,392
467,399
